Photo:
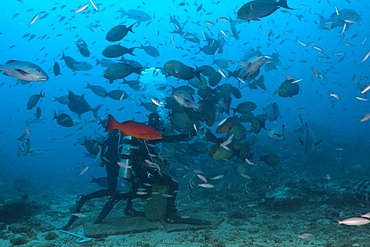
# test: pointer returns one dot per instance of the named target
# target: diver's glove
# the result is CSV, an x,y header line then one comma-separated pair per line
x,y
190,221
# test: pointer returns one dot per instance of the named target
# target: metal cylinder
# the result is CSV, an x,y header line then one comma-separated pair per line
x,y
126,150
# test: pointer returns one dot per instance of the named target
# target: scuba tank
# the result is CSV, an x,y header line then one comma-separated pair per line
x,y
126,151
98,160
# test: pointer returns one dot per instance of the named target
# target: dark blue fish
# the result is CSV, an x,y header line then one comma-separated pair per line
x,y
79,105
260,8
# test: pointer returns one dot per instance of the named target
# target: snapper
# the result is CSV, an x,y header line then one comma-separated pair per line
x,y
25,71
132,128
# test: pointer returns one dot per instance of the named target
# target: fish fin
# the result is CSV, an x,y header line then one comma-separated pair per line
x,y
22,72
318,142
95,111
111,124
137,70
131,50
197,74
300,141
23,82
10,61
55,115
19,151
261,82
130,28
337,221
283,4
300,118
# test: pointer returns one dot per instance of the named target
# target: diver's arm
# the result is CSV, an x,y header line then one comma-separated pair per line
x,y
178,138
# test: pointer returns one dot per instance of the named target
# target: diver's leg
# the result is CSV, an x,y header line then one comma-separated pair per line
x,y
80,201
170,216
115,197
172,190
112,173
129,210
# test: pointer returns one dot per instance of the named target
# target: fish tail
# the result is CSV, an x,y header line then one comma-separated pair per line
x,y
19,151
261,82
283,4
111,124
93,180
42,94
130,28
88,85
137,70
131,50
95,111
337,221
97,62
55,115
63,56
197,74
322,20
123,12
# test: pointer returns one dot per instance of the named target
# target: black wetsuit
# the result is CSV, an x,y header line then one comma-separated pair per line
x,y
143,173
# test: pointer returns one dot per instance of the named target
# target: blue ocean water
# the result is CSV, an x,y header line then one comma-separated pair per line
x,y
333,119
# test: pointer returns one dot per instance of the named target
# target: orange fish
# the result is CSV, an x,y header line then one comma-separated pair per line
x,y
132,128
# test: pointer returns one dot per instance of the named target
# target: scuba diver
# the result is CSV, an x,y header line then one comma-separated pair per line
x,y
140,156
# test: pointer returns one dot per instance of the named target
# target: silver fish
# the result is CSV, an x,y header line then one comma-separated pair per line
x,y
24,71
309,139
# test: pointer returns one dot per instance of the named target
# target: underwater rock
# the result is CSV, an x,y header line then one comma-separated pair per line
x,y
19,241
24,196
253,230
3,235
283,198
13,210
40,225
362,192
238,217
18,228
51,236
2,226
